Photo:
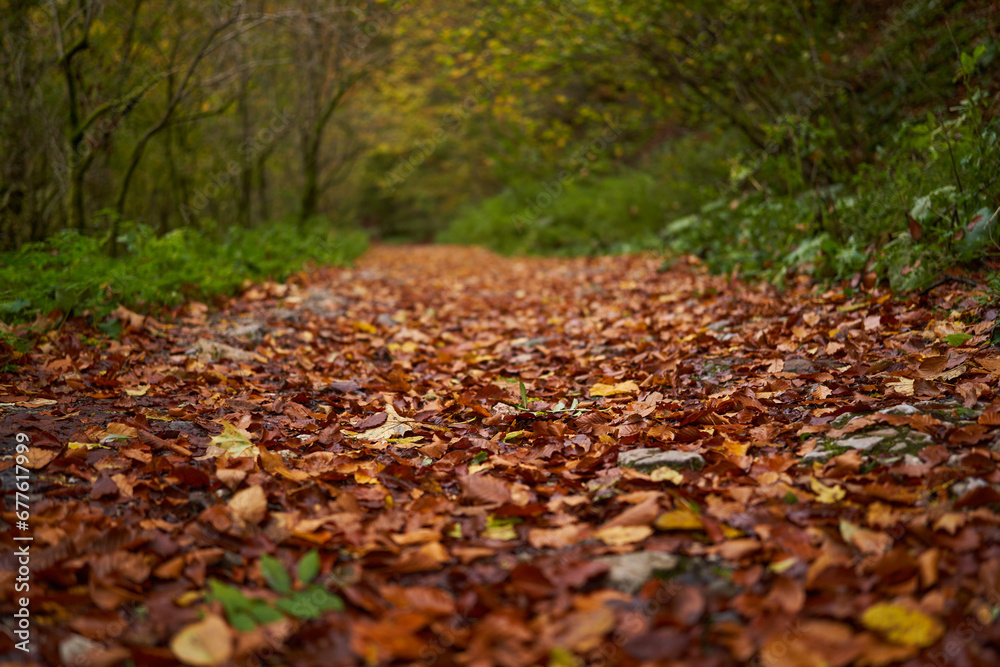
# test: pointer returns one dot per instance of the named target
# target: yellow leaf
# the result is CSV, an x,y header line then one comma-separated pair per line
x,y
666,474
188,598
236,442
561,657
86,445
627,387
406,443
204,644
364,327
902,625
618,535
826,494
780,566
734,448
501,528
365,478
679,519
731,533
138,391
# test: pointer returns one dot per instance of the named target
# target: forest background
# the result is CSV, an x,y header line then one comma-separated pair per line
x,y
154,151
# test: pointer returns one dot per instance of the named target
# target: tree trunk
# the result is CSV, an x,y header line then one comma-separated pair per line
x,y
310,171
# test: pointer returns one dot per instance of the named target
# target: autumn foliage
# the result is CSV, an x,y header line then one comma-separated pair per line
x,y
445,457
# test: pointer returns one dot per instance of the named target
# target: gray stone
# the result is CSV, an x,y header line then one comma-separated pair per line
x,y
650,458
628,572
248,329
962,487
206,350
799,366
901,409
73,649
862,444
818,454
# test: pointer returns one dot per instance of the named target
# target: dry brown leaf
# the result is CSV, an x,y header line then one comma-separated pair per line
x,y
207,643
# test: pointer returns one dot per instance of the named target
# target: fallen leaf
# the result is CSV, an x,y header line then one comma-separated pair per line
x,y
235,442
666,474
394,426
826,494
620,535
249,504
627,387
902,625
679,519
204,644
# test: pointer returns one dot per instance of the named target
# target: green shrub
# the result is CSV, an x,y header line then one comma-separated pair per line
x,y
929,201
594,214
576,218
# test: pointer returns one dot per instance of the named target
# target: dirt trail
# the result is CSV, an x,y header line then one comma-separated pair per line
x,y
514,462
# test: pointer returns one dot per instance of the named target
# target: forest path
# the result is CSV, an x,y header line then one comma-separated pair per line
x,y
514,462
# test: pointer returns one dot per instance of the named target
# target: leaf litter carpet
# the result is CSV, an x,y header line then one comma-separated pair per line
x,y
473,460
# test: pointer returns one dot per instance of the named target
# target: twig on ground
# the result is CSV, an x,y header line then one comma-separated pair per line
x,y
949,278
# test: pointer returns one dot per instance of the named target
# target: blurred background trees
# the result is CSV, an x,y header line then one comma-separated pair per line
x,y
176,113
731,129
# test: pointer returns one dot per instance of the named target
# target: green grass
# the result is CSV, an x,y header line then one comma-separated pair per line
x,y
73,273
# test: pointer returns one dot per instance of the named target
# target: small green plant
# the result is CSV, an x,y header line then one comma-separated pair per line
x,y
303,599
